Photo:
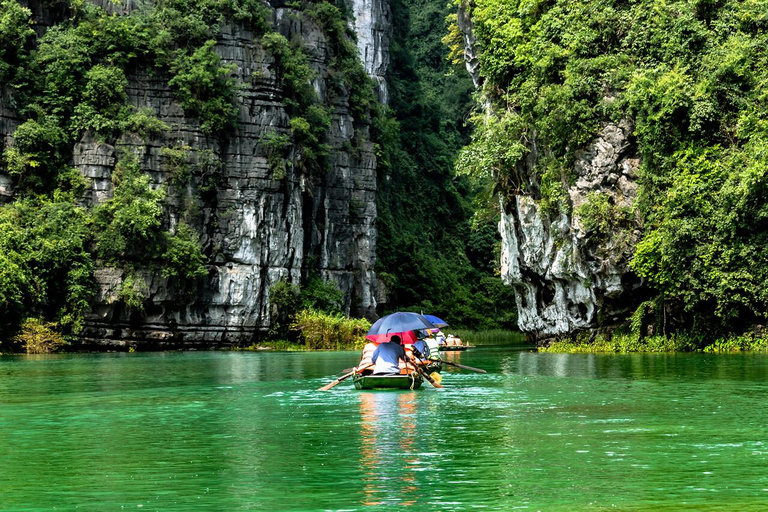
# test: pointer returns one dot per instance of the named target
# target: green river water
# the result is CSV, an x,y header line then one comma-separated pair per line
x,y
227,431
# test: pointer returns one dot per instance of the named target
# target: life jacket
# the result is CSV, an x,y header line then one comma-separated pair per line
x,y
434,348
368,351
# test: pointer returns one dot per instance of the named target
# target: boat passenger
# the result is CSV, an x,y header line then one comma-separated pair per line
x,y
434,348
423,348
365,358
387,357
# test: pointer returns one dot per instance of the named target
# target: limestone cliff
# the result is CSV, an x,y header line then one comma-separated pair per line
x,y
567,274
567,277
372,25
257,226
9,120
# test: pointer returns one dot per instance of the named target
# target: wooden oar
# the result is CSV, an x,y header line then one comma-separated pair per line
x,y
423,373
343,377
478,370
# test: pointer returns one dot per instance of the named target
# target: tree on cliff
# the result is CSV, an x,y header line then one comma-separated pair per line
x,y
691,75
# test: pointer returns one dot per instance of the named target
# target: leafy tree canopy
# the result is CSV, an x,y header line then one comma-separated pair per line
x,y
691,75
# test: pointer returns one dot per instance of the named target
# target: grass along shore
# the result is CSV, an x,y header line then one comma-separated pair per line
x,y
632,343
494,337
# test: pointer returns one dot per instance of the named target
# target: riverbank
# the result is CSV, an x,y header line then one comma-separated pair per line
x,y
492,337
305,331
489,338
632,343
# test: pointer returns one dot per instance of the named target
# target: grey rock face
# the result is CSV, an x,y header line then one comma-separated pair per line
x,y
471,52
257,226
9,121
373,26
564,277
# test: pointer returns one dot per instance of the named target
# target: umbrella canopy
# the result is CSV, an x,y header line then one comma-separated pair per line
x,y
436,321
399,323
408,337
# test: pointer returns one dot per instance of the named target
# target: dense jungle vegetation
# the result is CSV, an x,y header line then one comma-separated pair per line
x,y
438,243
71,79
691,75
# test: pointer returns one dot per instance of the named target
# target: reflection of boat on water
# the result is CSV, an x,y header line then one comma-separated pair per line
x,y
389,456
412,381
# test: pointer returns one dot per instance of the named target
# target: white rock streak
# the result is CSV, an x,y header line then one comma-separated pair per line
x,y
563,278
372,26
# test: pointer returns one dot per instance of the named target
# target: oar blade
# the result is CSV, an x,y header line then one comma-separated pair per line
x,y
478,370
328,386
471,368
332,384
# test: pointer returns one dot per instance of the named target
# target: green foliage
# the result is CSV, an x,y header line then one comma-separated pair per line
x,y
75,79
183,258
310,120
177,163
706,248
432,253
629,343
78,71
145,123
133,291
311,316
102,106
277,146
83,61
495,151
15,30
38,337
37,155
325,331
45,266
625,343
252,13
602,218
284,303
321,296
131,220
293,71
739,344
691,76
205,87
345,67
454,40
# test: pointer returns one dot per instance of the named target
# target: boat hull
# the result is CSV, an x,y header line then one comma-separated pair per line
x,y
387,382
451,348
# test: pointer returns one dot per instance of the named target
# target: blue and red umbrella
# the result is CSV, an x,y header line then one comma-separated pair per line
x,y
402,324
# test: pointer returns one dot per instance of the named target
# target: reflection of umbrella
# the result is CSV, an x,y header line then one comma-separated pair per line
x,y
436,321
397,323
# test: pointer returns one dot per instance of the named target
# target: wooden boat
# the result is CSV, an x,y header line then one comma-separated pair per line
x,y
449,348
388,381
